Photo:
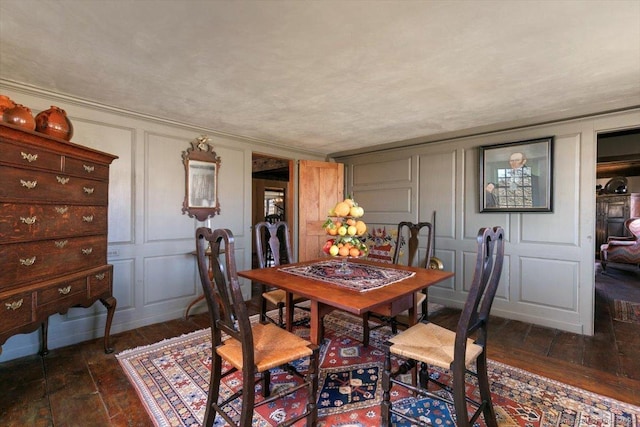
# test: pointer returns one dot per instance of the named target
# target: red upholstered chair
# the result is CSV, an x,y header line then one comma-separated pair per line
x,y
623,249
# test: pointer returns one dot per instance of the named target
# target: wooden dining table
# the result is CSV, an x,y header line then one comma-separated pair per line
x,y
389,300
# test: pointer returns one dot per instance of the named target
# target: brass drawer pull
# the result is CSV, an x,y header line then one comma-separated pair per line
x,y
100,276
29,184
88,218
28,261
14,305
29,157
61,243
88,168
29,220
65,290
62,180
62,209
88,190
87,251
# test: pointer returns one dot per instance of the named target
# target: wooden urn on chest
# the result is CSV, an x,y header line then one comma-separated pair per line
x,y
53,231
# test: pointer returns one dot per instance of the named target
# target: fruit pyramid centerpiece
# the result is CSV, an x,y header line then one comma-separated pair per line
x,y
345,230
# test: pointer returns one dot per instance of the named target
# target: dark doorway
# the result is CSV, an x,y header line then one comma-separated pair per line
x,y
271,192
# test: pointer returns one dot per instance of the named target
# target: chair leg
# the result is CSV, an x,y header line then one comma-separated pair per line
x,y
312,394
290,311
485,392
365,329
263,308
266,384
423,376
214,389
459,394
386,390
425,307
248,398
281,315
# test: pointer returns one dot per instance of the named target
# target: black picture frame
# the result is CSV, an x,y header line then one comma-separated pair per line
x,y
517,176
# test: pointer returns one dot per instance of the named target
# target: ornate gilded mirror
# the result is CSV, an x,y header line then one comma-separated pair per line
x,y
201,166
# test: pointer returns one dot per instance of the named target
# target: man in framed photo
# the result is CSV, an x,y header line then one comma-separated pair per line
x,y
517,186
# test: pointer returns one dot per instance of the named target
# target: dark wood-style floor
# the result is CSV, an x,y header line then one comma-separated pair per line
x,y
79,385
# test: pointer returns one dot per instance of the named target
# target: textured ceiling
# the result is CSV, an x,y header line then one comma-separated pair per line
x,y
331,76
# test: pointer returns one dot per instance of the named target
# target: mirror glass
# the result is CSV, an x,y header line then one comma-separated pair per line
x,y
201,166
202,180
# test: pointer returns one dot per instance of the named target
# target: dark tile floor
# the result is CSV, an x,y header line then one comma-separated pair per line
x,y
79,385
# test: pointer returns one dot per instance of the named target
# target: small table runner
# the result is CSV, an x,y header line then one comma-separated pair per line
x,y
363,277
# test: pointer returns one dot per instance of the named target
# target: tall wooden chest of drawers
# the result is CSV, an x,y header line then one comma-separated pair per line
x,y
53,231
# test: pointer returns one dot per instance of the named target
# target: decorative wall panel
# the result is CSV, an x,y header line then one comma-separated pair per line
x,y
388,172
121,142
164,189
437,183
550,283
538,228
168,277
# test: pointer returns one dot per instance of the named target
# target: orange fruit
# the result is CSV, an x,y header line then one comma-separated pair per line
x,y
354,252
342,209
361,228
344,251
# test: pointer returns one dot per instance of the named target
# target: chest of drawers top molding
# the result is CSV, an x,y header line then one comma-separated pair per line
x,y
50,145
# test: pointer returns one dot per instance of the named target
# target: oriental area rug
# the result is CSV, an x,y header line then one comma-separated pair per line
x,y
626,311
171,377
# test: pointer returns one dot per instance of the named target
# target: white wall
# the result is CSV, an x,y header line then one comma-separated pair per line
x,y
150,240
548,277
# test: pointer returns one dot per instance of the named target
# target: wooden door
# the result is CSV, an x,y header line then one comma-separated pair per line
x,y
321,186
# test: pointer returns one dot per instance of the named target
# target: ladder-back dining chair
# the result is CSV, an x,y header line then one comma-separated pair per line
x,y
252,349
408,233
426,344
273,238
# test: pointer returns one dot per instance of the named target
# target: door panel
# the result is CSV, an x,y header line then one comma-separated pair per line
x,y
321,186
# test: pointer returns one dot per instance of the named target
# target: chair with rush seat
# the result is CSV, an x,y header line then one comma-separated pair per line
x,y
273,238
426,344
251,349
409,232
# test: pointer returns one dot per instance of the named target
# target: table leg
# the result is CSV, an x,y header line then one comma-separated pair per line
x,y
318,311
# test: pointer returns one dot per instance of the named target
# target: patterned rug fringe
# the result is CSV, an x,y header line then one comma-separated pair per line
x,y
167,342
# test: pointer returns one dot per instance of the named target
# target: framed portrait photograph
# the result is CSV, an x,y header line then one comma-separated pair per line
x,y
517,176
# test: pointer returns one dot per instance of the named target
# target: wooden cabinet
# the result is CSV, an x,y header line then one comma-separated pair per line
x,y
612,210
53,231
